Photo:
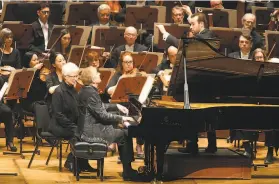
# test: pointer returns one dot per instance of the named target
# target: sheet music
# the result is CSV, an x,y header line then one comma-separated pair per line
x,y
3,90
146,89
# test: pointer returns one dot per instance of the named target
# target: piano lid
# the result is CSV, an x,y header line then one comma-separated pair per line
x,y
213,77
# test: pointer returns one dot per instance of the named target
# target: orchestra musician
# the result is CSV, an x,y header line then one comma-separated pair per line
x,y
41,30
64,44
102,122
245,46
37,89
65,112
130,36
54,79
259,55
126,69
9,56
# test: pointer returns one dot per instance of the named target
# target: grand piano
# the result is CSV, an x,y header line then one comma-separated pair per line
x,y
224,93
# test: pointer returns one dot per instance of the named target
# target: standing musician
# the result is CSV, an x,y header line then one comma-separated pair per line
x,y
37,89
199,29
98,123
64,44
130,35
65,112
41,30
126,69
9,56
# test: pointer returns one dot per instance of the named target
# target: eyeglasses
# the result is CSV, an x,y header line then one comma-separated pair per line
x,y
128,62
104,14
72,76
130,35
259,57
45,12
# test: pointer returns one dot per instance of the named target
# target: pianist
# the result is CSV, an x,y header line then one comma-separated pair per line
x,y
98,122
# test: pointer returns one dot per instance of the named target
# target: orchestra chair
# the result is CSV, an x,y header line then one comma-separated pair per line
x,y
42,120
90,151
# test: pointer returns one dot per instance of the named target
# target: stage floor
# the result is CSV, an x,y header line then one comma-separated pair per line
x,y
39,173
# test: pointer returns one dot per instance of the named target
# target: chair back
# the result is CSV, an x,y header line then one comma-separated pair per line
x,y
42,117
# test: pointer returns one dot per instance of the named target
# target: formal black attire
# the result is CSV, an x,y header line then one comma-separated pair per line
x,y
7,118
99,123
37,42
113,61
51,80
12,59
65,112
204,34
257,40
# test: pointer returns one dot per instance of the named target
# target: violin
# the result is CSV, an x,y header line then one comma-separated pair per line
x,y
5,70
44,71
115,6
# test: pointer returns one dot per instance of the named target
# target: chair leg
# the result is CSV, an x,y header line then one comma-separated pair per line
x,y
34,152
76,166
67,147
49,155
102,170
98,167
60,156
74,169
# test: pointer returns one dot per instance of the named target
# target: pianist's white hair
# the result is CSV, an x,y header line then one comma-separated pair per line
x,y
274,60
103,7
69,68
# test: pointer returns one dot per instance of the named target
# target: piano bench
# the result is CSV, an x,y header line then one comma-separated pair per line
x,y
91,151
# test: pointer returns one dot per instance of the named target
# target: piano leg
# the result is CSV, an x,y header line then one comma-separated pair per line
x,y
161,148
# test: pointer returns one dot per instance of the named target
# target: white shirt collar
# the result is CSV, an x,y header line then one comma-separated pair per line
x,y
244,56
130,48
107,24
42,24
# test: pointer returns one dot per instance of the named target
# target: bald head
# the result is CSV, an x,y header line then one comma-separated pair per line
x,y
217,4
130,35
172,52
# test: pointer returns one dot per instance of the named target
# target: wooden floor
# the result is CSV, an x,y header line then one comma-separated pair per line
x,y
39,173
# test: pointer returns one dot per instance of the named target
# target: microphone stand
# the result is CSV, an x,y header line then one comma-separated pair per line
x,y
186,88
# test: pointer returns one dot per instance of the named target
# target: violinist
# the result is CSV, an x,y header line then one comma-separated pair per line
x,y
37,89
64,44
130,35
259,55
104,13
9,56
54,79
93,59
126,69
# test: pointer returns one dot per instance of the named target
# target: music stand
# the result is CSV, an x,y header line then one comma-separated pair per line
x,y
221,17
177,30
272,38
146,61
108,37
263,16
76,53
79,34
127,86
81,13
143,17
22,33
106,74
229,38
19,84
27,12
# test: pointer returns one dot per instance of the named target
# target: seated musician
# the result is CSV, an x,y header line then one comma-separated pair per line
x,y
126,69
64,44
177,15
248,22
6,117
259,55
41,30
166,65
65,112
104,14
92,58
54,79
245,45
37,89
198,28
10,57
130,35
274,23
102,122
